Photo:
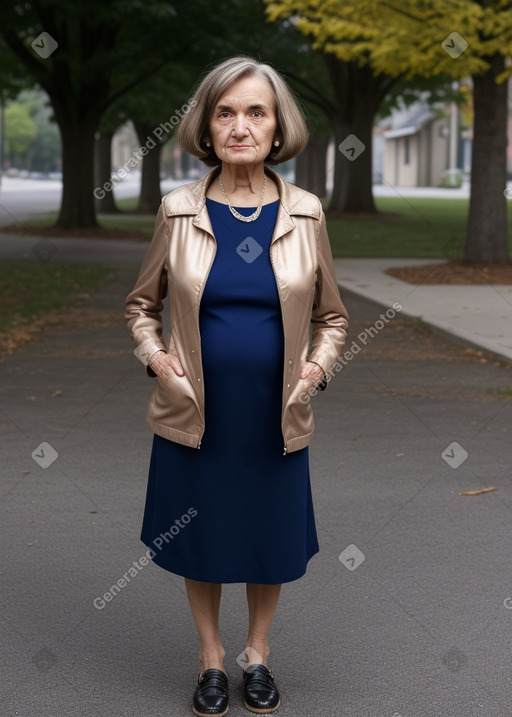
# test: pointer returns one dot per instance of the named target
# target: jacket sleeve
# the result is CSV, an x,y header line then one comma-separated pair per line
x,y
329,316
143,307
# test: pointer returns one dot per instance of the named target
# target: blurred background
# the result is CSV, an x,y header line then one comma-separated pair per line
x,y
397,96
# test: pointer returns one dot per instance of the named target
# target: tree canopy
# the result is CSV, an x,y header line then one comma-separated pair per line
x,y
404,38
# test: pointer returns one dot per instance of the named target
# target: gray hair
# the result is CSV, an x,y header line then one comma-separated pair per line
x,y
194,126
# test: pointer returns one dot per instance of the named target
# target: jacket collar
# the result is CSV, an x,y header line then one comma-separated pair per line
x,y
190,199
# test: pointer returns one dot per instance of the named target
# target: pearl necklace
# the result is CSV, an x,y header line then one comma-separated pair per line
x,y
241,217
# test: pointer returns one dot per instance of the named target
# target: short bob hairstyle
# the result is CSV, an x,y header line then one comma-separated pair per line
x,y
193,129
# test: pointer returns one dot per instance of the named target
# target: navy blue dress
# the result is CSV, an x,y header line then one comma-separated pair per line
x,y
237,509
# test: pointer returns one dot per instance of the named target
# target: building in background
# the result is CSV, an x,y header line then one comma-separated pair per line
x,y
423,147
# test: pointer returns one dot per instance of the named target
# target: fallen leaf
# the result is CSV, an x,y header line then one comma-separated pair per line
x,y
477,492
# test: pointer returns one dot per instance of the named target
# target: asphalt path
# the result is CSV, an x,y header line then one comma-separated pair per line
x,y
406,610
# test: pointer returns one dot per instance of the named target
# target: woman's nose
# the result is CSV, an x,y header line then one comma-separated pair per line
x,y
239,125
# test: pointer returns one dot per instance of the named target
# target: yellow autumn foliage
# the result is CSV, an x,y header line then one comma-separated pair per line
x,y
427,37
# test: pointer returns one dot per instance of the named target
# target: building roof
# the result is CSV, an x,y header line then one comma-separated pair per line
x,y
411,123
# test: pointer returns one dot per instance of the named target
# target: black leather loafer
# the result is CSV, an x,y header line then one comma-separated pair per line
x,y
211,694
260,692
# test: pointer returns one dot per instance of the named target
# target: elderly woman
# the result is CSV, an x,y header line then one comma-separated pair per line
x,y
245,259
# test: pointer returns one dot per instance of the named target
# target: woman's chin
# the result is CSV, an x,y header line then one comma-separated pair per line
x,y
241,157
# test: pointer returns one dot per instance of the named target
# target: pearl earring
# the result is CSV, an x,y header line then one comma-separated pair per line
x,y
208,143
276,143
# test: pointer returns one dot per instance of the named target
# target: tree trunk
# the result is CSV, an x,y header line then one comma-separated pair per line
x,y
150,192
359,94
77,204
310,167
486,237
352,191
103,200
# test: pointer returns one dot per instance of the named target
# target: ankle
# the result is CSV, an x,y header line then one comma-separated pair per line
x,y
256,654
212,660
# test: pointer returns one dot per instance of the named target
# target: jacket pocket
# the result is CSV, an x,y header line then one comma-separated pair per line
x,y
298,418
173,403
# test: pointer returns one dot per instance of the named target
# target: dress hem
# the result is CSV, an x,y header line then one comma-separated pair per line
x,y
184,572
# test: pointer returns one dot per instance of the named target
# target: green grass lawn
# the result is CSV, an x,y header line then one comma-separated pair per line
x,y
33,289
127,205
407,227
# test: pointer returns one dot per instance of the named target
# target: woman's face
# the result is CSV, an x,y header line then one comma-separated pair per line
x,y
243,123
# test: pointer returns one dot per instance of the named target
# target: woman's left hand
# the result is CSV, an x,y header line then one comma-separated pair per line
x,y
313,372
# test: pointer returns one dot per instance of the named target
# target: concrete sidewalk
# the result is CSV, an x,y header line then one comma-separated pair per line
x,y
479,316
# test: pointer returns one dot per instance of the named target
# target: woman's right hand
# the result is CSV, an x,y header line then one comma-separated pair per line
x,y
163,363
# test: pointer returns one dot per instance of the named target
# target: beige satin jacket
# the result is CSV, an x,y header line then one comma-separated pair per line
x,y
178,262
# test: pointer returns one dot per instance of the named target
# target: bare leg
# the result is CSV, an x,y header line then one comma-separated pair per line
x,y
262,602
204,601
